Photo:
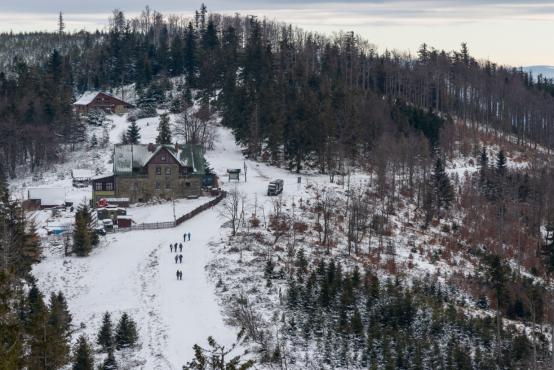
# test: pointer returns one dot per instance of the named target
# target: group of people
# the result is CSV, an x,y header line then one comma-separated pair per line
x,y
178,248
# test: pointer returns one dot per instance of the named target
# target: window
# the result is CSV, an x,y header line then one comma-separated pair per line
x,y
163,158
168,170
98,186
158,185
168,185
187,184
158,170
109,186
135,186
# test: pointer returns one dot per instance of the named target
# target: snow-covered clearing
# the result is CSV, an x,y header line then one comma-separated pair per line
x,y
135,271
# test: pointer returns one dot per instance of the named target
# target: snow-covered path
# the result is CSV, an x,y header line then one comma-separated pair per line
x,y
136,273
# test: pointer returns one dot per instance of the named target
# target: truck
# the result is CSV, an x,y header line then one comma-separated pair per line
x,y
275,187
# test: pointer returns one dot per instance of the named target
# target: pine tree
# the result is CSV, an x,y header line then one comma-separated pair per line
x,y
96,117
58,331
443,191
191,63
126,332
164,131
496,273
105,137
35,318
133,133
147,103
82,355
93,141
84,237
501,163
105,337
11,328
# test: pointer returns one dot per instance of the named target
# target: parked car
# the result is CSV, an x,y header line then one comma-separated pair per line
x,y
100,230
108,224
275,187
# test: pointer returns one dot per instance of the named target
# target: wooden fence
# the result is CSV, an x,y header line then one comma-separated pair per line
x,y
180,220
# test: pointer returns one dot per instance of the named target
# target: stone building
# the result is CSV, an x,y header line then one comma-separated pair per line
x,y
145,172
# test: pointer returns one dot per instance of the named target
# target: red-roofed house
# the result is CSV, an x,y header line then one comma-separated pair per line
x,y
100,100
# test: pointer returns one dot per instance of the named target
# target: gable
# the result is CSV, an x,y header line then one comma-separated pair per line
x,y
163,156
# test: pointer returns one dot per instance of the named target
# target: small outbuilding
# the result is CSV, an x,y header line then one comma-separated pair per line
x,y
124,222
81,178
47,197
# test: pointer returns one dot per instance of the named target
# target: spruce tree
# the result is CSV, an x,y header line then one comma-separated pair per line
x,y
105,337
82,355
126,333
84,237
496,274
58,331
93,141
443,191
191,63
35,318
164,131
501,163
133,133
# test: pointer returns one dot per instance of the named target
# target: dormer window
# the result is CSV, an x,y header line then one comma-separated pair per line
x,y
163,158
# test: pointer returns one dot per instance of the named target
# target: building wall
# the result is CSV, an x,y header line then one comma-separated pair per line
x,y
97,195
144,188
164,178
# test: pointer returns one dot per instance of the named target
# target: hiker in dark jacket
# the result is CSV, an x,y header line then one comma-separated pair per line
x,y
176,258
180,258
180,247
171,247
185,237
189,236
177,274
180,275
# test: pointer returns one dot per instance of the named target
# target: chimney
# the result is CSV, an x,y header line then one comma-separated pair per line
x,y
151,147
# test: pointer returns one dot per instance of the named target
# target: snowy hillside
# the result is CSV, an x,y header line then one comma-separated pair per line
x,y
135,271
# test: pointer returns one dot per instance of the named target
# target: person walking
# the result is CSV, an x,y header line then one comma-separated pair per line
x,y
176,258
180,258
189,236
180,275
180,247
177,274
171,247
184,237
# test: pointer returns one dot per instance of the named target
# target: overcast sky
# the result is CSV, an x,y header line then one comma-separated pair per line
x,y
505,31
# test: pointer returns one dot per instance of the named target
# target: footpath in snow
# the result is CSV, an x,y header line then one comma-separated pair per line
x,y
136,272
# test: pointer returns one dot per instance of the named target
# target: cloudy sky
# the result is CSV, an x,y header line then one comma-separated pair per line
x,y
505,31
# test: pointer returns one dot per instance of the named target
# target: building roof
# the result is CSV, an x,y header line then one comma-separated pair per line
x,y
81,174
187,155
89,96
86,98
48,196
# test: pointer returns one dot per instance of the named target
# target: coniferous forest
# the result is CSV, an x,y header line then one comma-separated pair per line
x,y
311,104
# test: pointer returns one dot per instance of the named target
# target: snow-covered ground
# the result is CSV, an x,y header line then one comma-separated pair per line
x,y
135,271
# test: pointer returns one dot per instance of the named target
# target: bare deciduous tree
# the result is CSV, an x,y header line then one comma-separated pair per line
x,y
231,209
194,127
